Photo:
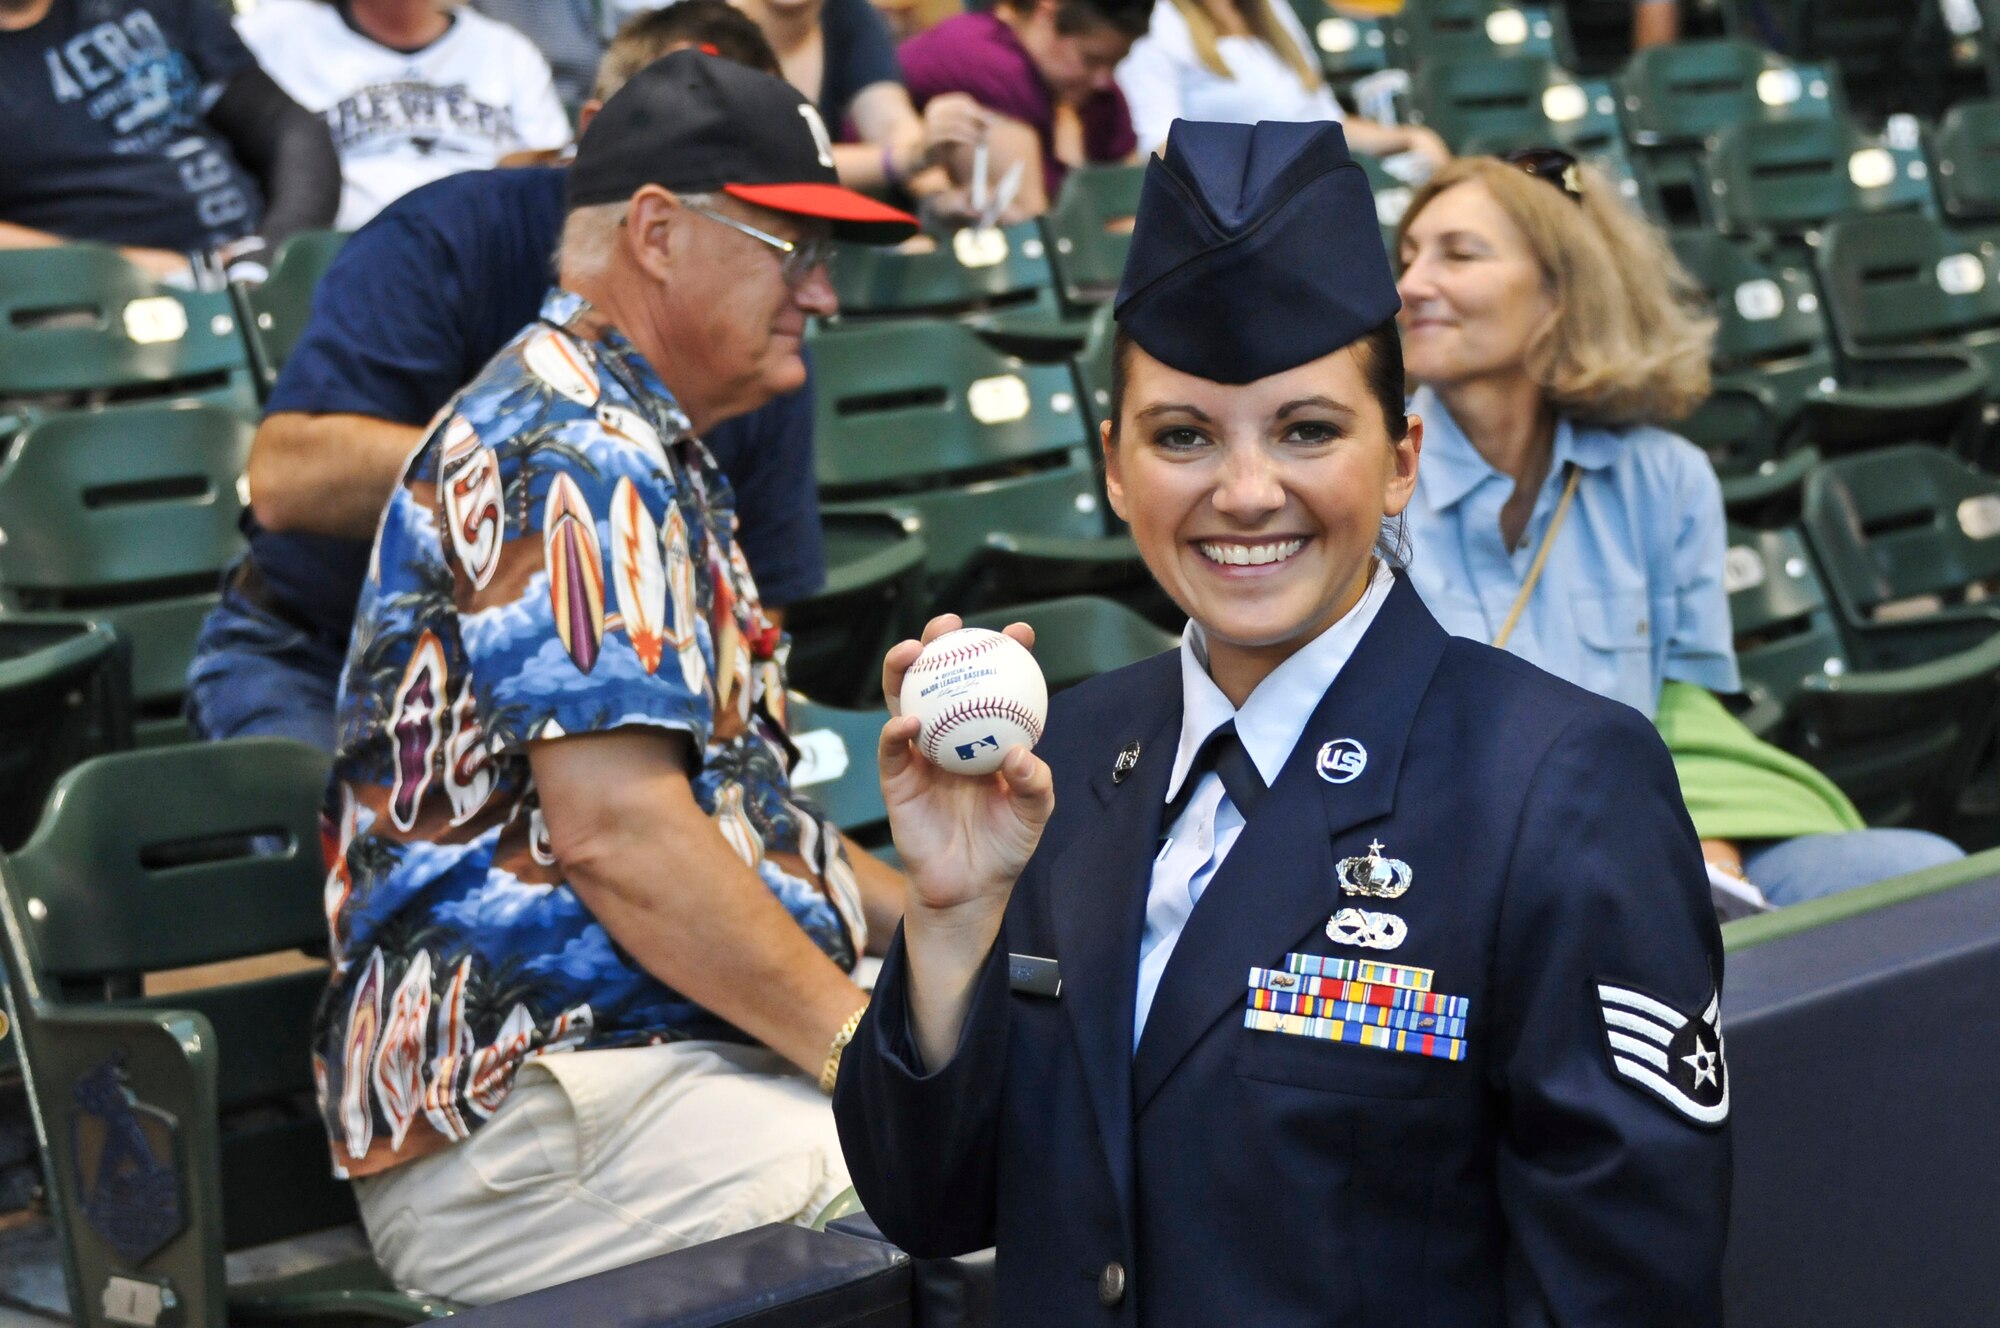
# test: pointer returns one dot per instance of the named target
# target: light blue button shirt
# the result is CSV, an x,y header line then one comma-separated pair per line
x,y
1269,724
1632,592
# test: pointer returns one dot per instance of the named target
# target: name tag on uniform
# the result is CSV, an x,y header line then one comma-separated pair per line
x,y
1032,975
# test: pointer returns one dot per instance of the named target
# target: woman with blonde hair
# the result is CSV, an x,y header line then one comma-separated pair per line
x,y
1553,335
1238,62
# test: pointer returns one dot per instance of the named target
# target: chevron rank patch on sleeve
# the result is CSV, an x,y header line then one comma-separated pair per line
x,y
1675,1057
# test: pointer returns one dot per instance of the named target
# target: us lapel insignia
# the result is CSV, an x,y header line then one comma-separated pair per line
x,y
1373,931
1341,761
1127,761
1374,876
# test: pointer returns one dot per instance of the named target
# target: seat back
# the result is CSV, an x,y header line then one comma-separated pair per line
x,y
1426,30
65,694
1897,279
1348,47
1081,636
1686,92
106,500
1089,230
1516,101
837,767
276,312
970,269
78,318
1966,148
921,403
173,1126
873,593
1908,535
1791,177
1783,625
1766,306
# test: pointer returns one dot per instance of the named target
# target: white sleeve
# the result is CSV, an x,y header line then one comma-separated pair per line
x,y
540,122
1150,76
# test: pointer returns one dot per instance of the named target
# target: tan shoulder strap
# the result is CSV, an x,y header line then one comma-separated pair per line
x,y
1541,557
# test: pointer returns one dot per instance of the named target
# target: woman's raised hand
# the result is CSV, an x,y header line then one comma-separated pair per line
x,y
963,838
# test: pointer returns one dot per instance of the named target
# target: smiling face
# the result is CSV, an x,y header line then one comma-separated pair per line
x,y
1474,296
1256,506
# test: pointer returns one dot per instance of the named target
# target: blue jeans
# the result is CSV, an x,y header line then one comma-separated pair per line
x,y
1791,871
253,674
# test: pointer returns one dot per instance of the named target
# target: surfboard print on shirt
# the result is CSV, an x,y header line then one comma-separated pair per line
x,y
470,475
576,571
638,574
562,364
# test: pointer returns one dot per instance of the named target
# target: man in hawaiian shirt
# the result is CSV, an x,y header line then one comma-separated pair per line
x,y
560,819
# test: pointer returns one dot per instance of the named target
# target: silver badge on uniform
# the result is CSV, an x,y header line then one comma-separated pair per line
x,y
1126,762
1342,761
1372,931
1374,876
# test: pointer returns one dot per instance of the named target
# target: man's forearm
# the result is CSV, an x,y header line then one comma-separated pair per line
x,y
882,891
717,935
326,474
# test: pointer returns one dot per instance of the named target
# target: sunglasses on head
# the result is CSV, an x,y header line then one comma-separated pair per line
x,y
1550,165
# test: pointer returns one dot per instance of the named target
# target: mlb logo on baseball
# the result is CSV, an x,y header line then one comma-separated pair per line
x,y
976,694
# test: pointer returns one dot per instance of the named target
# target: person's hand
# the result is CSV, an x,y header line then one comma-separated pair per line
x,y
953,118
160,264
1426,144
963,839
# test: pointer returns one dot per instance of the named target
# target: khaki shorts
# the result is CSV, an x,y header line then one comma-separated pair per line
x,y
601,1158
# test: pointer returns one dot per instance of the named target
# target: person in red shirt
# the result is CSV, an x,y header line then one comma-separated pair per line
x,y
1044,65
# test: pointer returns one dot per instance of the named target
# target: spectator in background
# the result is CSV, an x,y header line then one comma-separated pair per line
x,y
907,18
412,90
585,941
1241,61
1655,23
570,34
840,56
1039,64
1553,334
418,300
147,124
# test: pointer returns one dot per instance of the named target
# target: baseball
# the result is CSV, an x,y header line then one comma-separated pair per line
x,y
976,694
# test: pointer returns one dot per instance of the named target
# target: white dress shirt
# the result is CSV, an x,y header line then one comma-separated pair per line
x,y
1163,80
1269,724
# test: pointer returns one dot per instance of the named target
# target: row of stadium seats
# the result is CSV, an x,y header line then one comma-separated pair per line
x,y
179,1126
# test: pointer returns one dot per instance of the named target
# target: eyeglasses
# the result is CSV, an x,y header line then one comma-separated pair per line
x,y
1550,165
802,258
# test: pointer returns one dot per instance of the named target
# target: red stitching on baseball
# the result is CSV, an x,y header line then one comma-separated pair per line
x,y
994,708
958,654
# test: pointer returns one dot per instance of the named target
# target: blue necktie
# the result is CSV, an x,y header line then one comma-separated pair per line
x,y
1223,752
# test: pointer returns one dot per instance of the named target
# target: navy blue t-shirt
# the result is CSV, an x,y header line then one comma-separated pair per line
x,y
418,301
102,128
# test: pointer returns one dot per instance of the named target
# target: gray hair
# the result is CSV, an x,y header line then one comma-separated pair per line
x,y
590,233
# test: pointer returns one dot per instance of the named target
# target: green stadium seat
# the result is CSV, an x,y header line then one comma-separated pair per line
x,y
1093,362
175,1127
1791,177
836,767
1514,101
1900,738
1430,30
275,313
81,326
1089,230
1773,344
996,281
1909,539
65,694
1966,149
1675,98
1903,281
128,515
873,595
923,416
1349,48
1894,55
1082,636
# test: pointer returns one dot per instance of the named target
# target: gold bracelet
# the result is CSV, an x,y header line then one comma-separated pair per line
x,y
830,1072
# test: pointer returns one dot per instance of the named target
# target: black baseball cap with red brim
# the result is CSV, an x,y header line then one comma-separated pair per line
x,y
699,124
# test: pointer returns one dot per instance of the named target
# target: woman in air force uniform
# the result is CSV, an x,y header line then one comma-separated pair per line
x,y
1330,970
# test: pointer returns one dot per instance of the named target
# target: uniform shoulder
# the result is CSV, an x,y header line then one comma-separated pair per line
x,y
1532,706
1089,708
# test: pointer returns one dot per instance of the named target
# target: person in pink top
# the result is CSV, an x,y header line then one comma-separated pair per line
x,y
1044,65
